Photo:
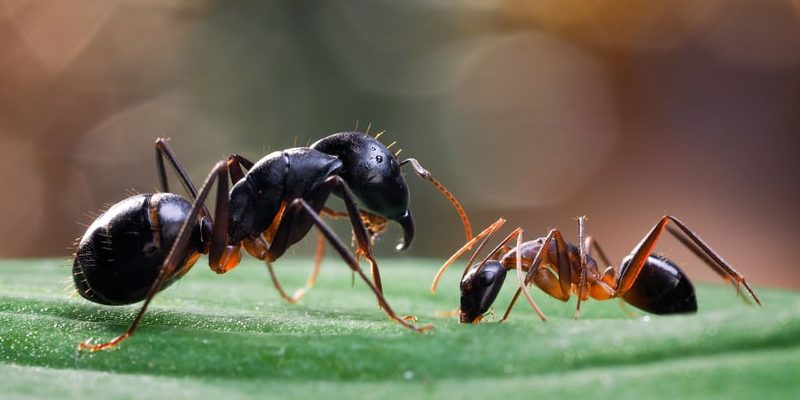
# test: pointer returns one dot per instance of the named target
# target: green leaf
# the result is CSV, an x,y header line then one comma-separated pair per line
x,y
231,336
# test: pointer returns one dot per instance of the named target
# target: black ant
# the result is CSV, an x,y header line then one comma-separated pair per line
x,y
647,281
146,242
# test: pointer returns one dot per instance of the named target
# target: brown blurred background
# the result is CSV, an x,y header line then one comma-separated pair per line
x,y
536,111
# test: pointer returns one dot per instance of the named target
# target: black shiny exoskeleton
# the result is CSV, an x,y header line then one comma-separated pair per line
x,y
373,175
142,244
645,280
120,254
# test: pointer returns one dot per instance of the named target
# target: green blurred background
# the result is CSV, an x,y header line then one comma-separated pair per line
x,y
536,111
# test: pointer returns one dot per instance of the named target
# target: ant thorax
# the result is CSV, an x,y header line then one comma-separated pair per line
x,y
549,263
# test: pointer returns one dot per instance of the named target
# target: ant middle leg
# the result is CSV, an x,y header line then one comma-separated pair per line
x,y
556,286
312,277
518,261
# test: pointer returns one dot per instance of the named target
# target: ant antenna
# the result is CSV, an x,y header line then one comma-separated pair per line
x,y
468,246
424,174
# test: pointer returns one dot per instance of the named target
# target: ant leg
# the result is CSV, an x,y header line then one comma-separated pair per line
x,y
645,248
516,233
582,291
235,163
223,257
604,288
681,237
163,150
626,309
490,231
547,283
519,276
294,225
360,234
312,278
363,246
722,266
350,259
170,263
591,243
333,214
425,174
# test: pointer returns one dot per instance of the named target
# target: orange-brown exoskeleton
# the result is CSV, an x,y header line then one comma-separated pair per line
x,y
645,280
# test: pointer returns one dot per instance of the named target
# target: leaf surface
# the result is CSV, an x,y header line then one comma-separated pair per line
x,y
231,335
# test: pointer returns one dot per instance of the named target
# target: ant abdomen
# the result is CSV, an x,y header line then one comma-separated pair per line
x,y
661,287
119,256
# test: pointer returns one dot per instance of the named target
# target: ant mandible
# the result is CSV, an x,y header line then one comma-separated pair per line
x,y
645,280
142,244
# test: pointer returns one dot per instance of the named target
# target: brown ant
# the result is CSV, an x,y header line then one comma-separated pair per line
x,y
645,280
146,242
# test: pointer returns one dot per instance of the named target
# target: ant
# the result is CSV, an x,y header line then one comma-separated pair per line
x,y
142,244
645,280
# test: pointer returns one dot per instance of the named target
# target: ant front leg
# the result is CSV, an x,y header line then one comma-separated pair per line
x,y
363,242
556,286
294,225
179,247
518,263
351,261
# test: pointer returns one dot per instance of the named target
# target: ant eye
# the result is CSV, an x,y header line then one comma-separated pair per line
x,y
488,278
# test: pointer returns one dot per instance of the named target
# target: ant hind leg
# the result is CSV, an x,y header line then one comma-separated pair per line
x,y
170,263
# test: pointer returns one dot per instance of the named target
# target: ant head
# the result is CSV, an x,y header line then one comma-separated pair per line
x,y
479,289
372,173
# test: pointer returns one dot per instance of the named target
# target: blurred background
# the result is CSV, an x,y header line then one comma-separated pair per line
x,y
536,111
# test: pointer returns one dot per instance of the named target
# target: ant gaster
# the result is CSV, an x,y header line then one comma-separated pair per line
x,y
144,243
645,280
